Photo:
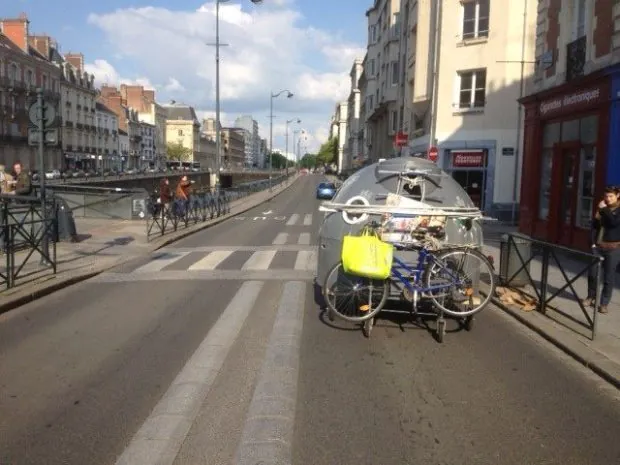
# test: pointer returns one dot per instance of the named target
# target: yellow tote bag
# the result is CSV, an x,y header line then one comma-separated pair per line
x,y
367,255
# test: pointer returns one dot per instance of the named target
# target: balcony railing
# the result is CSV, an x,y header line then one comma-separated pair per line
x,y
575,58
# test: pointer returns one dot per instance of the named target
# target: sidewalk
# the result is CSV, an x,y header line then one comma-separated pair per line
x,y
103,244
566,327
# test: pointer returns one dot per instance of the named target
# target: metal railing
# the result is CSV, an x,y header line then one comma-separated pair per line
x,y
202,205
101,202
24,230
548,256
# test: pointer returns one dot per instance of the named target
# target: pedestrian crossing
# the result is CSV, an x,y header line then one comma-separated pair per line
x,y
297,219
225,264
284,238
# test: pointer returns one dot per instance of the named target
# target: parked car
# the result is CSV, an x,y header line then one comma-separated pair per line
x,y
326,190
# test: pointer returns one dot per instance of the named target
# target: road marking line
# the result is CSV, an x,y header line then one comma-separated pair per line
x,y
211,261
275,274
280,239
161,261
308,220
161,436
304,239
303,260
267,436
292,220
260,260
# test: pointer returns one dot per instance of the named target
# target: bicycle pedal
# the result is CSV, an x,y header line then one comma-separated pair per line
x,y
364,308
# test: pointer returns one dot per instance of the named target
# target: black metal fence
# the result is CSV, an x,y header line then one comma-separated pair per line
x,y
26,236
526,253
202,205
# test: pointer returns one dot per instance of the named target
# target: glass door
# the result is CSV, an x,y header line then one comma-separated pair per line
x,y
564,195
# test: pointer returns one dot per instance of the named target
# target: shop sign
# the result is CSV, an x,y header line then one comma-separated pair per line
x,y
570,102
472,159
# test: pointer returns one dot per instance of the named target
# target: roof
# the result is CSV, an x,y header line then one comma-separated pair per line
x,y
101,107
181,112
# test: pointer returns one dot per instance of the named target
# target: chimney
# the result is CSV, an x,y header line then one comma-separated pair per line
x,y
149,95
41,44
77,60
16,30
109,91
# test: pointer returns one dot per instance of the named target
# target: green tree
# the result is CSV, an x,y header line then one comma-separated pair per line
x,y
308,161
177,152
328,151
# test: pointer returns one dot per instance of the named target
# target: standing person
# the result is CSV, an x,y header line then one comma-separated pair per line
x,y
6,181
22,183
605,243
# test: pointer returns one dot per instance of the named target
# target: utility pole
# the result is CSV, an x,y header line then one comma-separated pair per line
x,y
436,61
43,131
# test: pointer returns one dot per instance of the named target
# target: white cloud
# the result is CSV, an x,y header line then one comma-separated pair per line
x,y
268,50
105,73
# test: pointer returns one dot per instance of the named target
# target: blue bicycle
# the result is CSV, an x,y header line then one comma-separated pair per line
x,y
447,277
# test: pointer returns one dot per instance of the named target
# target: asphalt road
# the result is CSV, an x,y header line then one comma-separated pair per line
x,y
136,366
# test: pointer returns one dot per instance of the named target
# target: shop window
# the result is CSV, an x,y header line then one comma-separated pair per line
x,y
545,183
585,202
551,136
570,130
589,130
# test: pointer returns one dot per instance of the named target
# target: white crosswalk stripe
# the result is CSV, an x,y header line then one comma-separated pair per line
x,y
292,220
160,262
306,260
211,261
260,260
308,220
281,239
304,239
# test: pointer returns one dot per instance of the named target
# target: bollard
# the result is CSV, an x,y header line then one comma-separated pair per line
x,y
65,221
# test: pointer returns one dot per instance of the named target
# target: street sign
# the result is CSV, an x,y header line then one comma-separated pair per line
x,y
34,113
34,136
433,154
400,139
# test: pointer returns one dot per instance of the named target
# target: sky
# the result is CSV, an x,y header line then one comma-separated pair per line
x,y
304,46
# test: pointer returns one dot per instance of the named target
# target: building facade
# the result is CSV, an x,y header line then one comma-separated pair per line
x,y
262,154
233,148
24,68
382,73
339,131
149,111
253,145
354,136
148,144
572,119
107,144
183,127
79,131
469,110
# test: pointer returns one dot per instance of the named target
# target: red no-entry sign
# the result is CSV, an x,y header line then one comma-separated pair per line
x,y
433,154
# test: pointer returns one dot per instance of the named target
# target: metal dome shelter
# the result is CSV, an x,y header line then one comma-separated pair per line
x,y
369,185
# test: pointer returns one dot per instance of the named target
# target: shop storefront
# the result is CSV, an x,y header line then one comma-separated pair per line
x,y
469,168
565,165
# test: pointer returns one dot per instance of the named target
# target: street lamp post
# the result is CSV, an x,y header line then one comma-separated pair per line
x,y
289,94
294,120
218,136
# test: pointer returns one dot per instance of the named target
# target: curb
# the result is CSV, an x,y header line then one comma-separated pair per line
x,y
45,290
600,364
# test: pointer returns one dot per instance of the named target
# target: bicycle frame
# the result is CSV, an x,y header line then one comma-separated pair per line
x,y
424,257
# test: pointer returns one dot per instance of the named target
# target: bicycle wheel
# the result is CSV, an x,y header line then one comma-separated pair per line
x,y
455,276
354,298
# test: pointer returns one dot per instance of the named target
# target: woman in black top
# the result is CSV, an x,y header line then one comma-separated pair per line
x,y
606,243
